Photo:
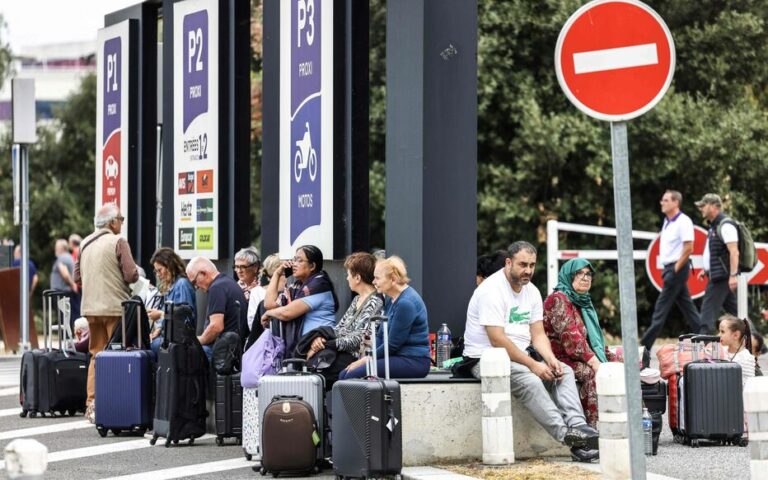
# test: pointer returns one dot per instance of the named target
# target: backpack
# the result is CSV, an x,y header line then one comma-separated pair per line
x,y
227,353
747,251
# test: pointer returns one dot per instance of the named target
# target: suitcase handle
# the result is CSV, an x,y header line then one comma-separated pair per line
x,y
299,364
277,398
385,332
686,336
167,323
132,301
705,338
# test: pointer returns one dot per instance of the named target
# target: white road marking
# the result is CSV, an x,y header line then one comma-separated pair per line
x,y
55,428
615,58
188,470
6,392
102,449
9,412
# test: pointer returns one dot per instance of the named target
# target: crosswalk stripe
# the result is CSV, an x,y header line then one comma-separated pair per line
x,y
188,470
9,412
5,392
54,428
103,449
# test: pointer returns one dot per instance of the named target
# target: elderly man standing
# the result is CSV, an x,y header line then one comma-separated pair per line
x,y
104,268
506,312
721,262
226,302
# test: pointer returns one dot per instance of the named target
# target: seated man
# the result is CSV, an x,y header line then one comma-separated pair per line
x,y
506,312
226,302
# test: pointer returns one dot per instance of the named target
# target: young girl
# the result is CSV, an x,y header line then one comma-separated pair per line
x,y
735,334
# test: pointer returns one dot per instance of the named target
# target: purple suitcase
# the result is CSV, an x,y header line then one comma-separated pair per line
x,y
124,387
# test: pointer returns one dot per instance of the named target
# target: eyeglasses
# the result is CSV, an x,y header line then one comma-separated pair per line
x,y
194,280
120,218
588,274
299,260
243,267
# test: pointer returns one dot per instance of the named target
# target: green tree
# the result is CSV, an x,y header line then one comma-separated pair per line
x,y
5,53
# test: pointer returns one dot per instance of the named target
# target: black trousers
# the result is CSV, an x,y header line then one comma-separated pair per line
x,y
717,296
674,291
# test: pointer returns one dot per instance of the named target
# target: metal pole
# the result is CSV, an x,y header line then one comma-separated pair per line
x,y
24,177
621,199
553,245
741,296
159,194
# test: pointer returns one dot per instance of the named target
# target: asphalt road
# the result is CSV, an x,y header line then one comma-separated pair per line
x,y
76,451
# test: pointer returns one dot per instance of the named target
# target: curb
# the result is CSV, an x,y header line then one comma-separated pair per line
x,y
431,473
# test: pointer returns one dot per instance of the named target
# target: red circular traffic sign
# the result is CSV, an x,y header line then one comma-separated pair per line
x,y
654,267
615,59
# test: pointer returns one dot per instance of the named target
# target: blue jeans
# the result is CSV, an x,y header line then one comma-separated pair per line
x,y
208,349
399,367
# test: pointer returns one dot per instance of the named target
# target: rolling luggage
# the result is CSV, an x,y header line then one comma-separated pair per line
x,y
251,424
124,381
180,381
229,408
52,380
293,381
290,438
365,422
710,399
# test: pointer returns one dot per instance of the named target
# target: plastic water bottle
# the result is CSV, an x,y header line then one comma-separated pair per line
x,y
444,345
648,432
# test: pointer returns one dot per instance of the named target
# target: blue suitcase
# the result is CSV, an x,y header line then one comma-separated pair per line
x,y
124,385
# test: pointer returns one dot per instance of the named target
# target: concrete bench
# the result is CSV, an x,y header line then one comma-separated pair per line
x,y
442,423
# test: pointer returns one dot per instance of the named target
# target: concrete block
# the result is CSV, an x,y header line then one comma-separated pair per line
x,y
443,422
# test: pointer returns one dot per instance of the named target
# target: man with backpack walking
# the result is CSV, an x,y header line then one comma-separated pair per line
x,y
721,262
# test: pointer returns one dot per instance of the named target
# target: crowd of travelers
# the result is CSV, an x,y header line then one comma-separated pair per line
x,y
556,345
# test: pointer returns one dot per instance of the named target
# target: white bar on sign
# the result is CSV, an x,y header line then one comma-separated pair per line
x,y
697,262
615,58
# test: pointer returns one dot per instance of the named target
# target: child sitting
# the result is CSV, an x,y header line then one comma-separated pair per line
x,y
735,334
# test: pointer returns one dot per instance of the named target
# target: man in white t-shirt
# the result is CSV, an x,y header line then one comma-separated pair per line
x,y
675,248
721,262
506,312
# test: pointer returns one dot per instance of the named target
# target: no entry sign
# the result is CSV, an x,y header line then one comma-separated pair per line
x,y
615,59
654,267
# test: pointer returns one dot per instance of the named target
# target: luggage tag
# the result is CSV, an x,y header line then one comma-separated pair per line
x,y
315,438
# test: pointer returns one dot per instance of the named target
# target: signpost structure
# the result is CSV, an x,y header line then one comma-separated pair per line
x,y
614,60
655,268
24,133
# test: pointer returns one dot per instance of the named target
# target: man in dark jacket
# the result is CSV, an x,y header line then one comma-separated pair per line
x,y
721,262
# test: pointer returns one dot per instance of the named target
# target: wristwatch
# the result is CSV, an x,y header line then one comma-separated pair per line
x,y
735,274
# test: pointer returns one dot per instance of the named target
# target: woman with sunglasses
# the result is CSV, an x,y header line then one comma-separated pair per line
x,y
571,323
308,302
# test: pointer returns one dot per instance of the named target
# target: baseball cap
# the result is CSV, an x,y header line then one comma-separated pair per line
x,y
710,199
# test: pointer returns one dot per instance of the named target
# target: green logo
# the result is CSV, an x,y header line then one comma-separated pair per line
x,y
519,317
205,238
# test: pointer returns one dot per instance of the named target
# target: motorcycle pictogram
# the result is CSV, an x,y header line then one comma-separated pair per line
x,y
305,157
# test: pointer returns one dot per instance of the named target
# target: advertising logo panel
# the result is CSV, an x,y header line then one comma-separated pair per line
x,y
186,183
186,239
195,66
205,181
204,238
205,210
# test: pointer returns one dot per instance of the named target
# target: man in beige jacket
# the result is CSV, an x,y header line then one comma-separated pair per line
x,y
104,269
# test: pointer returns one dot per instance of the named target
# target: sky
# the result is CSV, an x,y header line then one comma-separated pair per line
x,y
40,22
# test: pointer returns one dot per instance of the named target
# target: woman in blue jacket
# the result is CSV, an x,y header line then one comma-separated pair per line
x,y
173,284
408,326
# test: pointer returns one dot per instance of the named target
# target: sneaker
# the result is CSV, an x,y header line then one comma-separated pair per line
x,y
90,412
582,436
585,455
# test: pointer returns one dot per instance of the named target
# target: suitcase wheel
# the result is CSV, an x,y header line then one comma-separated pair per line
x,y
275,474
102,431
23,413
175,442
695,442
743,442
167,443
192,441
248,457
32,414
154,440
219,441
142,431
262,471
117,431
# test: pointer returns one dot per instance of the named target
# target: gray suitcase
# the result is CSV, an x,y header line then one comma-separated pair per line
x,y
294,379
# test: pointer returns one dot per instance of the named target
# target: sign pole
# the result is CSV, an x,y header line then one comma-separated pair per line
x,y
627,302
24,177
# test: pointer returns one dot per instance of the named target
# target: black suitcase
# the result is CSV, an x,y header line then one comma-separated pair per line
x,y
229,408
181,379
711,400
365,422
52,380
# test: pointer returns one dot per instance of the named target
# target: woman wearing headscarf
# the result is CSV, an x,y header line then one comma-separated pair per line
x,y
571,323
